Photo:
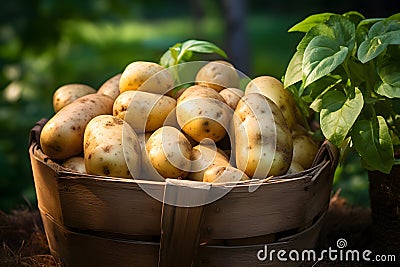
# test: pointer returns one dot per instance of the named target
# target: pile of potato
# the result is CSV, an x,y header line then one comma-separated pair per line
x,y
136,125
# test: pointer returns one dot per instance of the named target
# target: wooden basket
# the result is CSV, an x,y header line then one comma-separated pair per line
x,y
104,221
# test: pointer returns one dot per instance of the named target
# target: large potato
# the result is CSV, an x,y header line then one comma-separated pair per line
x,y
263,142
202,113
146,76
218,75
203,157
62,135
110,144
168,151
76,163
273,89
232,96
68,93
110,87
145,112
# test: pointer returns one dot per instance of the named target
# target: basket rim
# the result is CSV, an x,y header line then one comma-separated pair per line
x,y
65,173
327,155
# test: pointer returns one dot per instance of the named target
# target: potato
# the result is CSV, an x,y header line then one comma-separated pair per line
x,y
145,112
273,89
263,143
232,96
294,168
169,151
76,164
109,145
203,157
304,150
146,76
68,93
62,135
223,174
202,113
110,87
218,75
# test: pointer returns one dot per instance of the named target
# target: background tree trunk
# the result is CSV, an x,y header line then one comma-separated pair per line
x,y
236,41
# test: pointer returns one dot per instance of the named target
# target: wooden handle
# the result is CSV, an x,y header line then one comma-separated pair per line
x,y
327,151
34,136
180,225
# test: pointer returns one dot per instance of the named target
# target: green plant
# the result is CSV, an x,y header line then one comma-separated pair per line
x,y
347,70
182,52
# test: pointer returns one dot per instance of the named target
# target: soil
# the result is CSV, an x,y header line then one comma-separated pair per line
x,y
23,242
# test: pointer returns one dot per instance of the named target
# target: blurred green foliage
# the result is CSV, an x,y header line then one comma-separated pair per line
x,y
48,43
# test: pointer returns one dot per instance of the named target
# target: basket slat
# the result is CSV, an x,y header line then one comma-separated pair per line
x,y
181,223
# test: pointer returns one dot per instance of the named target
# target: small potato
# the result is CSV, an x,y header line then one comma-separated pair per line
x,y
168,151
202,113
110,87
295,168
263,143
110,144
146,76
223,174
232,96
204,157
273,89
62,135
76,164
218,75
68,93
145,112
304,150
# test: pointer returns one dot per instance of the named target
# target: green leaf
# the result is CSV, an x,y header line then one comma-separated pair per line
x,y
373,142
294,70
318,30
363,29
338,114
358,72
389,90
394,17
170,57
309,22
343,29
319,88
200,47
382,27
354,17
321,57
166,59
380,35
182,52
389,72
